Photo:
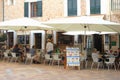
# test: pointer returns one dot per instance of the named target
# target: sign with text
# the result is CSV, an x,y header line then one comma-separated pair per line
x,y
72,55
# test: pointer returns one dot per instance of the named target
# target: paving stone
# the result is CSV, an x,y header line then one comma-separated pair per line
x,y
17,71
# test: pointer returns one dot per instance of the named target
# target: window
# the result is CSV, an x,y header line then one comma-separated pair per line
x,y
72,7
35,9
115,5
21,39
107,39
11,2
95,6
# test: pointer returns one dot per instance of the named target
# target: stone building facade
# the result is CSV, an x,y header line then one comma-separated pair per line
x,y
1,10
12,10
50,8
56,9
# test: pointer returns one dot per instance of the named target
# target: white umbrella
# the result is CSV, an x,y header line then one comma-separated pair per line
x,y
86,32
80,32
83,23
23,24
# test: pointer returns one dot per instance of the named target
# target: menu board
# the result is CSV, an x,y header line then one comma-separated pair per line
x,y
72,56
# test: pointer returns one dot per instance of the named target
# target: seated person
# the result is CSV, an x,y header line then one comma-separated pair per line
x,y
33,51
115,53
17,50
3,48
118,53
34,55
117,60
95,54
83,56
106,52
27,48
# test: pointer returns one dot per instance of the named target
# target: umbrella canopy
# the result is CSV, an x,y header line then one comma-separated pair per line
x,y
84,23
86,32
80,32
23,24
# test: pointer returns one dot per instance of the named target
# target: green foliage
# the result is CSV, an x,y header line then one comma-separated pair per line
x,y
3,37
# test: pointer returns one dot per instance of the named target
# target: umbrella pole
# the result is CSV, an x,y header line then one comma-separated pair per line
x,y
25,35
25,39
84,44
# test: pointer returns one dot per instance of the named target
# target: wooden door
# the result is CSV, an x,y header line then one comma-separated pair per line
x,y
38,40
10,39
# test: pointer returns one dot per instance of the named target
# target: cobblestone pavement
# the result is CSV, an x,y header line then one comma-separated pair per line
x,y
19,71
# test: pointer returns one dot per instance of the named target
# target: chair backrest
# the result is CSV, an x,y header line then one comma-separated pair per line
x,y
95,58
82,57
7,51
55,56
38,51
47,56
13,54
111,60
29,55
5,54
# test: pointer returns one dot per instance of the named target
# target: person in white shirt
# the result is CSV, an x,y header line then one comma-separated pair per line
x,y
95,54
49,47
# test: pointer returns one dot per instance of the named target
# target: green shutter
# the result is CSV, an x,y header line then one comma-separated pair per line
x,y
72,7
95,6
26,10
39,8
92,6
97,10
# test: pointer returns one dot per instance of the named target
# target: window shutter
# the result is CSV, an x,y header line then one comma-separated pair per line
x,y
26,9
39,8
115,5
92,6
95,6
72,7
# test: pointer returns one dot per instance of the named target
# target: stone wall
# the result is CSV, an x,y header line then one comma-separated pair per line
x,y
115,17
14,11
53,9
1,10
83,7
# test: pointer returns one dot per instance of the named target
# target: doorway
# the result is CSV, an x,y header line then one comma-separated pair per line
x,y
38,40
97,42
10,39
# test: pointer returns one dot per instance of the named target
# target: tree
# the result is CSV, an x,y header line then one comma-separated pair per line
x,y
3,37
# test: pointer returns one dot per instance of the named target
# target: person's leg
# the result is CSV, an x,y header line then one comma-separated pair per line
x,y
100,60
50,54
